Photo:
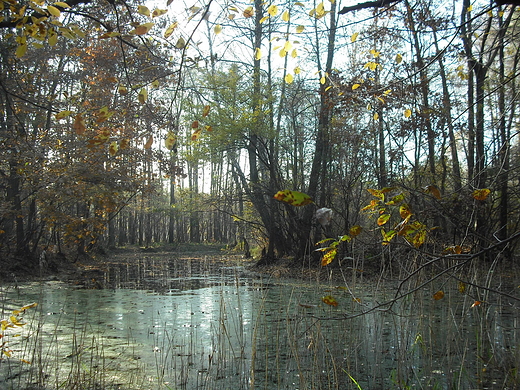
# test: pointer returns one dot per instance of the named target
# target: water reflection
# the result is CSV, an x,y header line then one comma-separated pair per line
x,y
190,325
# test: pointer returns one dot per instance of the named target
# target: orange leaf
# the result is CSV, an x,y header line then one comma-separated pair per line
x,y
434,191
438,295
79,124
329,300
476,303
481,194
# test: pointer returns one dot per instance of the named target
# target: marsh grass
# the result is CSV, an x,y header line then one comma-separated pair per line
x,y
262,333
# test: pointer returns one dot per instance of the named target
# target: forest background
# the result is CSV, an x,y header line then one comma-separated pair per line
x,y
393,126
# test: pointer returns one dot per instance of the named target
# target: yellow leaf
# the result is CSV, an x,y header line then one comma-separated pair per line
x,y
158,12
155,84
272,10
143,10
404,211
398,58
328,257
297,70
438,295
286,16
323,80
356,86
53,38
376,116
264,19
122,90
170,29
63,114
294,53
289,78
21,50
282,53
300,29
217,29
258,53
407,113
375,53
170,140
53,11
329,300
143,95
462,287
149,142
354,37
61,4
481,194
470,8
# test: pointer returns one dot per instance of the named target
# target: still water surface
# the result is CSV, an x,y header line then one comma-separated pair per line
x,y
159,323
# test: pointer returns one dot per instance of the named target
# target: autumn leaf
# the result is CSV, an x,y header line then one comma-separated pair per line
x,y
248,12
21,50
383,219
143,10
462,287
294,198
434,191
289,78
476,303
438,295
149,143
353,37
330,300
217,29
143,95
196,134
286,16
169,31
405,211
258,53
54,11
158,12
142,28
63,114
356,86
407,113
388,236
79,124
272,10
205,111
113,148
398,58
355,230
300,29
122,90
170,140
481,194
181,43
329,257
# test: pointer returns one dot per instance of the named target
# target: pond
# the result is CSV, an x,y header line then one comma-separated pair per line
x,y
162,322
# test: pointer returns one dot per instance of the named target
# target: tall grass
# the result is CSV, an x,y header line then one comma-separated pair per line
x,y
270,334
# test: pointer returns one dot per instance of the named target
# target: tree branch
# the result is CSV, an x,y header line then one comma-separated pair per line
x,y
368,4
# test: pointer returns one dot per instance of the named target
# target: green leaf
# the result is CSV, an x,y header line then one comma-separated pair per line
x,y
383,219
